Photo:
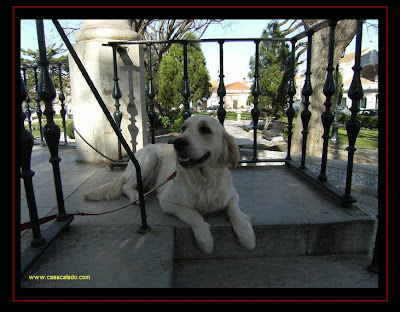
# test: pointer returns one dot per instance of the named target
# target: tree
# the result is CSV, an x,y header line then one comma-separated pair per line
x,y
29,58
168,29
169,79
344,34
273,69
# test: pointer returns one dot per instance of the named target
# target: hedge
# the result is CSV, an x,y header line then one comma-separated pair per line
x,y
370,122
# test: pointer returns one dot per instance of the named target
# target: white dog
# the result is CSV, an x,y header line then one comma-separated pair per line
x,y
203,184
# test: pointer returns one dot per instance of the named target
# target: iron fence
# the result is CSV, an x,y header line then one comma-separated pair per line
x,y
355,93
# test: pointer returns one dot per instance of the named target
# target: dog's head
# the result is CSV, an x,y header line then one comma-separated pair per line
x,y
205,141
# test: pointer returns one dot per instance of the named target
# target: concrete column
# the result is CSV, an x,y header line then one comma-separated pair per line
x,y
89,119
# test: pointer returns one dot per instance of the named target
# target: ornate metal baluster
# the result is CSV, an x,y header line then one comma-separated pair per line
x,y
27,175
291,91
185,88
61,97
38,108
307,92
256,91
353,125
27,110
117,95
51,131
151,94
329,90
145,228
335,124
221,91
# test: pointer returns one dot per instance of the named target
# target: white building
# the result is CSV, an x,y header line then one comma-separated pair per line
x,y
369,78
236,97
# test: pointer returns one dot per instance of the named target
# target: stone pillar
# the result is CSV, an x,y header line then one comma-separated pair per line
x,y
89,119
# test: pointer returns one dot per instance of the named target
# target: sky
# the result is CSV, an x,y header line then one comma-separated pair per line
x,y
236,54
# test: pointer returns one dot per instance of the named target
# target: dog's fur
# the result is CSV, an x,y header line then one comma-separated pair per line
x,y
203,184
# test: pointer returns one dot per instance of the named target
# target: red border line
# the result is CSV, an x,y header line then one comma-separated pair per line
x,y
194,7
13,180
387,154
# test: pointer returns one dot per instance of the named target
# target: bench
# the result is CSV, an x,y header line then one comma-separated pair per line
x,y
277,128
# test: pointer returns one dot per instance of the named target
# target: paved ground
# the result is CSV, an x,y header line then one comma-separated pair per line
x,y
288,231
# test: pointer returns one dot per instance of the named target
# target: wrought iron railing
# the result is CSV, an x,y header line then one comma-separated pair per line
x,y
51,132
28,109
327,117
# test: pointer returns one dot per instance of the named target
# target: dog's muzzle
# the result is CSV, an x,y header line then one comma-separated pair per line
x,y
181,146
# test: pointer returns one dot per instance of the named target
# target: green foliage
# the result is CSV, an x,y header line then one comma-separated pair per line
x,y
173,120
169,78
69,127
342,118
30,58
273,69
370,122
177,124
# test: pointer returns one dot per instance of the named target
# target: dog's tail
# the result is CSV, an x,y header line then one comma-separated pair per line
x,y
109,190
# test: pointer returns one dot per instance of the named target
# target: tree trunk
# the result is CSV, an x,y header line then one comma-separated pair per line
x,y
344,34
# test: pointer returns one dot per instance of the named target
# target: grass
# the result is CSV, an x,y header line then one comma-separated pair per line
x,y
366,138
229,115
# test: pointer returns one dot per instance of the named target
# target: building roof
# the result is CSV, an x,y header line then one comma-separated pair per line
x,y
350,56
237,86
348,81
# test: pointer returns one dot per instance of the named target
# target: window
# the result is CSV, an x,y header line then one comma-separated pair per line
x,y
235,104
363,103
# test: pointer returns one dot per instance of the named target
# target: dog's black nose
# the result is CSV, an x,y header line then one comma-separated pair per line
x,y
181,143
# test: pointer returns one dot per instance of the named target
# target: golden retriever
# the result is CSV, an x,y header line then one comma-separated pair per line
x,y
202,154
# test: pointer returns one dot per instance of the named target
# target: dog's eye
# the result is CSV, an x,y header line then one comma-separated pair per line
x,y
205,130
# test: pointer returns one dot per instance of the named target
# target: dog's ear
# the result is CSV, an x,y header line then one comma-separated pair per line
x,y
230,150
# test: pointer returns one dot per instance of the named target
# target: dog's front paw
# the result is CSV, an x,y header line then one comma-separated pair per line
x,y
204,238
246,236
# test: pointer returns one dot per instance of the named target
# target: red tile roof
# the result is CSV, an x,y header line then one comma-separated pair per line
x,y
237,86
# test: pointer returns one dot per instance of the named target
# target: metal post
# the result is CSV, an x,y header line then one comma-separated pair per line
x,y
27,175
27,110
221,91
38,108
291,91
116,94
353,125
61,97
145,228
51,131
185,88
151,94
335,124
329,90
306,92
256,91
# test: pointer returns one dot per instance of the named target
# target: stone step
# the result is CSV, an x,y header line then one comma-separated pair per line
x,y
297,217
111,256
328,271
291,216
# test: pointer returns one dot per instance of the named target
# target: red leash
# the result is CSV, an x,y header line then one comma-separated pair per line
x,y
28,225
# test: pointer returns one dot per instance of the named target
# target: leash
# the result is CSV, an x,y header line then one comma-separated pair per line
x,y
28,225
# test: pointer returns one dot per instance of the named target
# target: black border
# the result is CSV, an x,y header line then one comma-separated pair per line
x,y
109,12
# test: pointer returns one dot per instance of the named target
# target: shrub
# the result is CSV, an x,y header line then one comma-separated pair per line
x,y
343,118
177,124
69,126
370,122
165,121
373,122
